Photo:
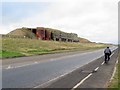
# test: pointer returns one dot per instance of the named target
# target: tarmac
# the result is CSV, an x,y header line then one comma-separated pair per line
x,y
95,74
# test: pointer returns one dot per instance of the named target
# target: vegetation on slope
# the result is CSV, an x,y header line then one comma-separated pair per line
x,y
83,40
12,47
22,32
116,79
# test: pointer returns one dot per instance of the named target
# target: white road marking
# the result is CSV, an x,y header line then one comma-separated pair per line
x,y
25,65
54,59
66,74
49,81
61,75
117,61
9,67
111,54
35,62
56,78
81,82
96,69
115,68
103,63
22,65
113,73
84,79
12,67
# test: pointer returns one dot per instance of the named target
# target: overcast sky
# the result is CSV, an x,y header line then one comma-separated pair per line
x,y
96,20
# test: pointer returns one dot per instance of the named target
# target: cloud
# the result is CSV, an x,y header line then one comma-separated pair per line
x,y
93,19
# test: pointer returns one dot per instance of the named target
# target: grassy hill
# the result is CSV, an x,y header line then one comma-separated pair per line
x,y
83,40
22,32
22,42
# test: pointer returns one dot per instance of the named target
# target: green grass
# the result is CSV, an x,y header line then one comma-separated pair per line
x,y
10,54
25,47
116,79
114,83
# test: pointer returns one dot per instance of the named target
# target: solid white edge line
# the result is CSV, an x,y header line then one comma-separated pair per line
x,y
117,61
49,81
112,54
81,82
114,71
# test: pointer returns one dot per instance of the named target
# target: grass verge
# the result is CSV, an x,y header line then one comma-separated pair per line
x,y
13,47
9,54
115,83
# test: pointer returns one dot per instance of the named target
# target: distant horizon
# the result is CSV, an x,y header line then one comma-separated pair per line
x,y
95,20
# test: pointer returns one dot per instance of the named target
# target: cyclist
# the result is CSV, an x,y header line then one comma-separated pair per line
x,y
107,53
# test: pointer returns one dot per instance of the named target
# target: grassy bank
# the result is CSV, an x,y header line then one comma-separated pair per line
x,y
116,79
13,47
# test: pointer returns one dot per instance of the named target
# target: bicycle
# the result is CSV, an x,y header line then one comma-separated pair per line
x,y
107,58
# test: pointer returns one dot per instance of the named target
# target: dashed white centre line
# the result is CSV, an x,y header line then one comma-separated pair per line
x,y
76,86
96,69
102,63
81,82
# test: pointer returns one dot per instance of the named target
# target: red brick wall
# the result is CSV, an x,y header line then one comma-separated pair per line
x,y
40,33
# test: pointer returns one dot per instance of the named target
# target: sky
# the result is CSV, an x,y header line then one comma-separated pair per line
x,y
96,20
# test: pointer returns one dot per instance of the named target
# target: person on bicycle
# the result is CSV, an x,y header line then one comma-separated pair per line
x,y
107,53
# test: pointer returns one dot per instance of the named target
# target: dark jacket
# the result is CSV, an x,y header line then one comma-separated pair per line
x,y
107,50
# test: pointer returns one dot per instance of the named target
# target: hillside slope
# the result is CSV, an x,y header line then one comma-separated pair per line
x,y
13,47
25,32
22,32
83,40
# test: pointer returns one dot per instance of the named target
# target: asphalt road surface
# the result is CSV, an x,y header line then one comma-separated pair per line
x,y
95,74
36,74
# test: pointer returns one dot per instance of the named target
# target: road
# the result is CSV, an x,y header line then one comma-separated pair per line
x,y
36,74
96,74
